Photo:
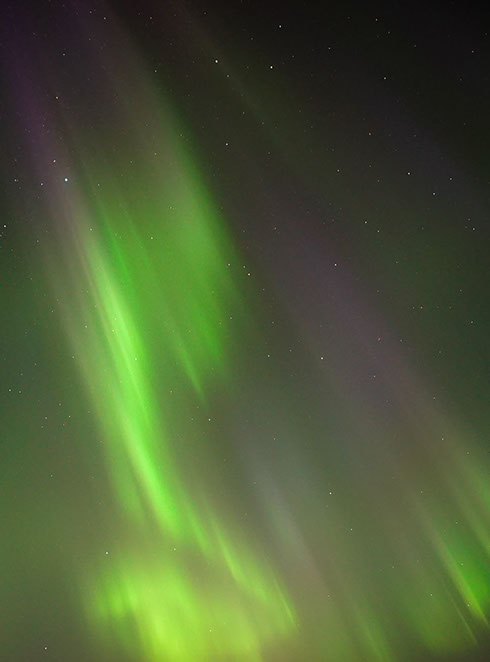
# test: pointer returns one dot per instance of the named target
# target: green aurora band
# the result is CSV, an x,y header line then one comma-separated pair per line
x,y
197,593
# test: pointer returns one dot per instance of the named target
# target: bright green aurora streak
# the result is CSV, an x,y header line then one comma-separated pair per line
x,y
177,280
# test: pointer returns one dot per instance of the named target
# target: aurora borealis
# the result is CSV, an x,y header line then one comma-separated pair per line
x,y
244,256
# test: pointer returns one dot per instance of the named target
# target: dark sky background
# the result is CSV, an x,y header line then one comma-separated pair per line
x,y
244,354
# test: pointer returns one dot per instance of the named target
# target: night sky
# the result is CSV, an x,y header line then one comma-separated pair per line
x,y
245,314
